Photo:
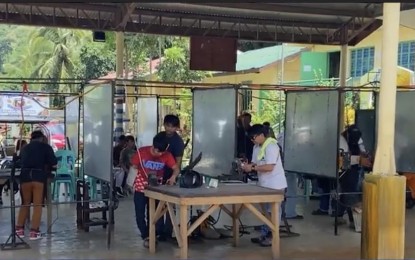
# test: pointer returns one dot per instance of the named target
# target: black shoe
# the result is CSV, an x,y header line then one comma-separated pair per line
x,y
319,212
257,240
295,217
120,193
161,238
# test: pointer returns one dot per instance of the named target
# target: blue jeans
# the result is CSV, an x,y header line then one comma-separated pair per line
x,y
166,226
291,200
141,215
265,230
324,185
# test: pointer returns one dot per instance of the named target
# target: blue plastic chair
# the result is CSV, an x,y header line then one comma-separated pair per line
x,y
65,173
92,182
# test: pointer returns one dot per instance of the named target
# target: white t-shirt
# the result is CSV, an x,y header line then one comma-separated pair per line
x,y
354,159
276,178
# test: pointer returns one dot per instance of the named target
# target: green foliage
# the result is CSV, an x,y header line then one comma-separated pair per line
x,y
175,68
253,45
272,110
321,81
96,60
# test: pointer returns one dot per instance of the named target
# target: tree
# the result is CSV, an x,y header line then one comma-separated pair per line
x,y
61,61
272,110
96,60
175,68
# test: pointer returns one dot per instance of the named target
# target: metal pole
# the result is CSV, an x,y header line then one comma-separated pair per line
x,y
119,88
281,82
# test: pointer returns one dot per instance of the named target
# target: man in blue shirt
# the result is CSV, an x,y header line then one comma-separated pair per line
x,y
176,148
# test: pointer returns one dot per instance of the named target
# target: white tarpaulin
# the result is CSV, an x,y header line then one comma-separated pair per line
x,y
34,108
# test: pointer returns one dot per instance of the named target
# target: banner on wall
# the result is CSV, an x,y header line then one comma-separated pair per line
x,y
34,108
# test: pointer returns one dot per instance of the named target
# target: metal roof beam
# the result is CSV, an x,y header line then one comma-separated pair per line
x,y
215,32
176,14
292,8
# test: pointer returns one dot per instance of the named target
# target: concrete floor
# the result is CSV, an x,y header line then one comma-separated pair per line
x,y
317,240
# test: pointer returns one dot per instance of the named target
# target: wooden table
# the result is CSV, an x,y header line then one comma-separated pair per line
x,y
5,175
240,196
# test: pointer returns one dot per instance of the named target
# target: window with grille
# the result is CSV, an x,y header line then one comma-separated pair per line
x,y
246,96
362,61
406,55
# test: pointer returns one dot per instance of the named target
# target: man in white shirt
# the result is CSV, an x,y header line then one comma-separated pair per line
x,y
266,161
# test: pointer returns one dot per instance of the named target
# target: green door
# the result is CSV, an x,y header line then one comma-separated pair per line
x,y
313,67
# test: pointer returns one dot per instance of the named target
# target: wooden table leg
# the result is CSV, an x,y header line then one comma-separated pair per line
x,y
275,218
183,231
49,206
235,224
152,225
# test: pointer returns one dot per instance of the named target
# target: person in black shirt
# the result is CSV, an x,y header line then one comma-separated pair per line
x,y
244,144
176,148
36,157
116,152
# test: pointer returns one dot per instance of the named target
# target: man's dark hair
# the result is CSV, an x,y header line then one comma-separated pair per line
x,y
37,134
129,138
121,138
246,114
160,142
267,124
257,129
172,120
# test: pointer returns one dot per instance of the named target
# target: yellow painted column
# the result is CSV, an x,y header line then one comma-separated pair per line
x,y
383,220
342,83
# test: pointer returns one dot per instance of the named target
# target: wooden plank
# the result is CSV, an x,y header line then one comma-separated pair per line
x,y
183,231
201,219
221,191
232,199
152,225
261,217
275,218
235,224
160,211
175,225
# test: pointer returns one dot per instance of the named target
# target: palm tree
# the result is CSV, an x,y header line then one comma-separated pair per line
x,y
60,62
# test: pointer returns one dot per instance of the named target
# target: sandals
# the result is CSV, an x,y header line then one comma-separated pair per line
x,y
146,242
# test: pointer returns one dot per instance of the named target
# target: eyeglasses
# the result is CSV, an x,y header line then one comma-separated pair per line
x,y
253,137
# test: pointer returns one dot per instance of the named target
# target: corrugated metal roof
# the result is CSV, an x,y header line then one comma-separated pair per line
x,y
259,58
311,23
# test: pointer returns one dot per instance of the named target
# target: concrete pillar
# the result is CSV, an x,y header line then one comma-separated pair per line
x,y
383,220
342,83
119,89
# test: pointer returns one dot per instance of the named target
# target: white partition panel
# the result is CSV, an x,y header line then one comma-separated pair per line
x,y
72,122
214,129
147,120
98,131
311,132
404,130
